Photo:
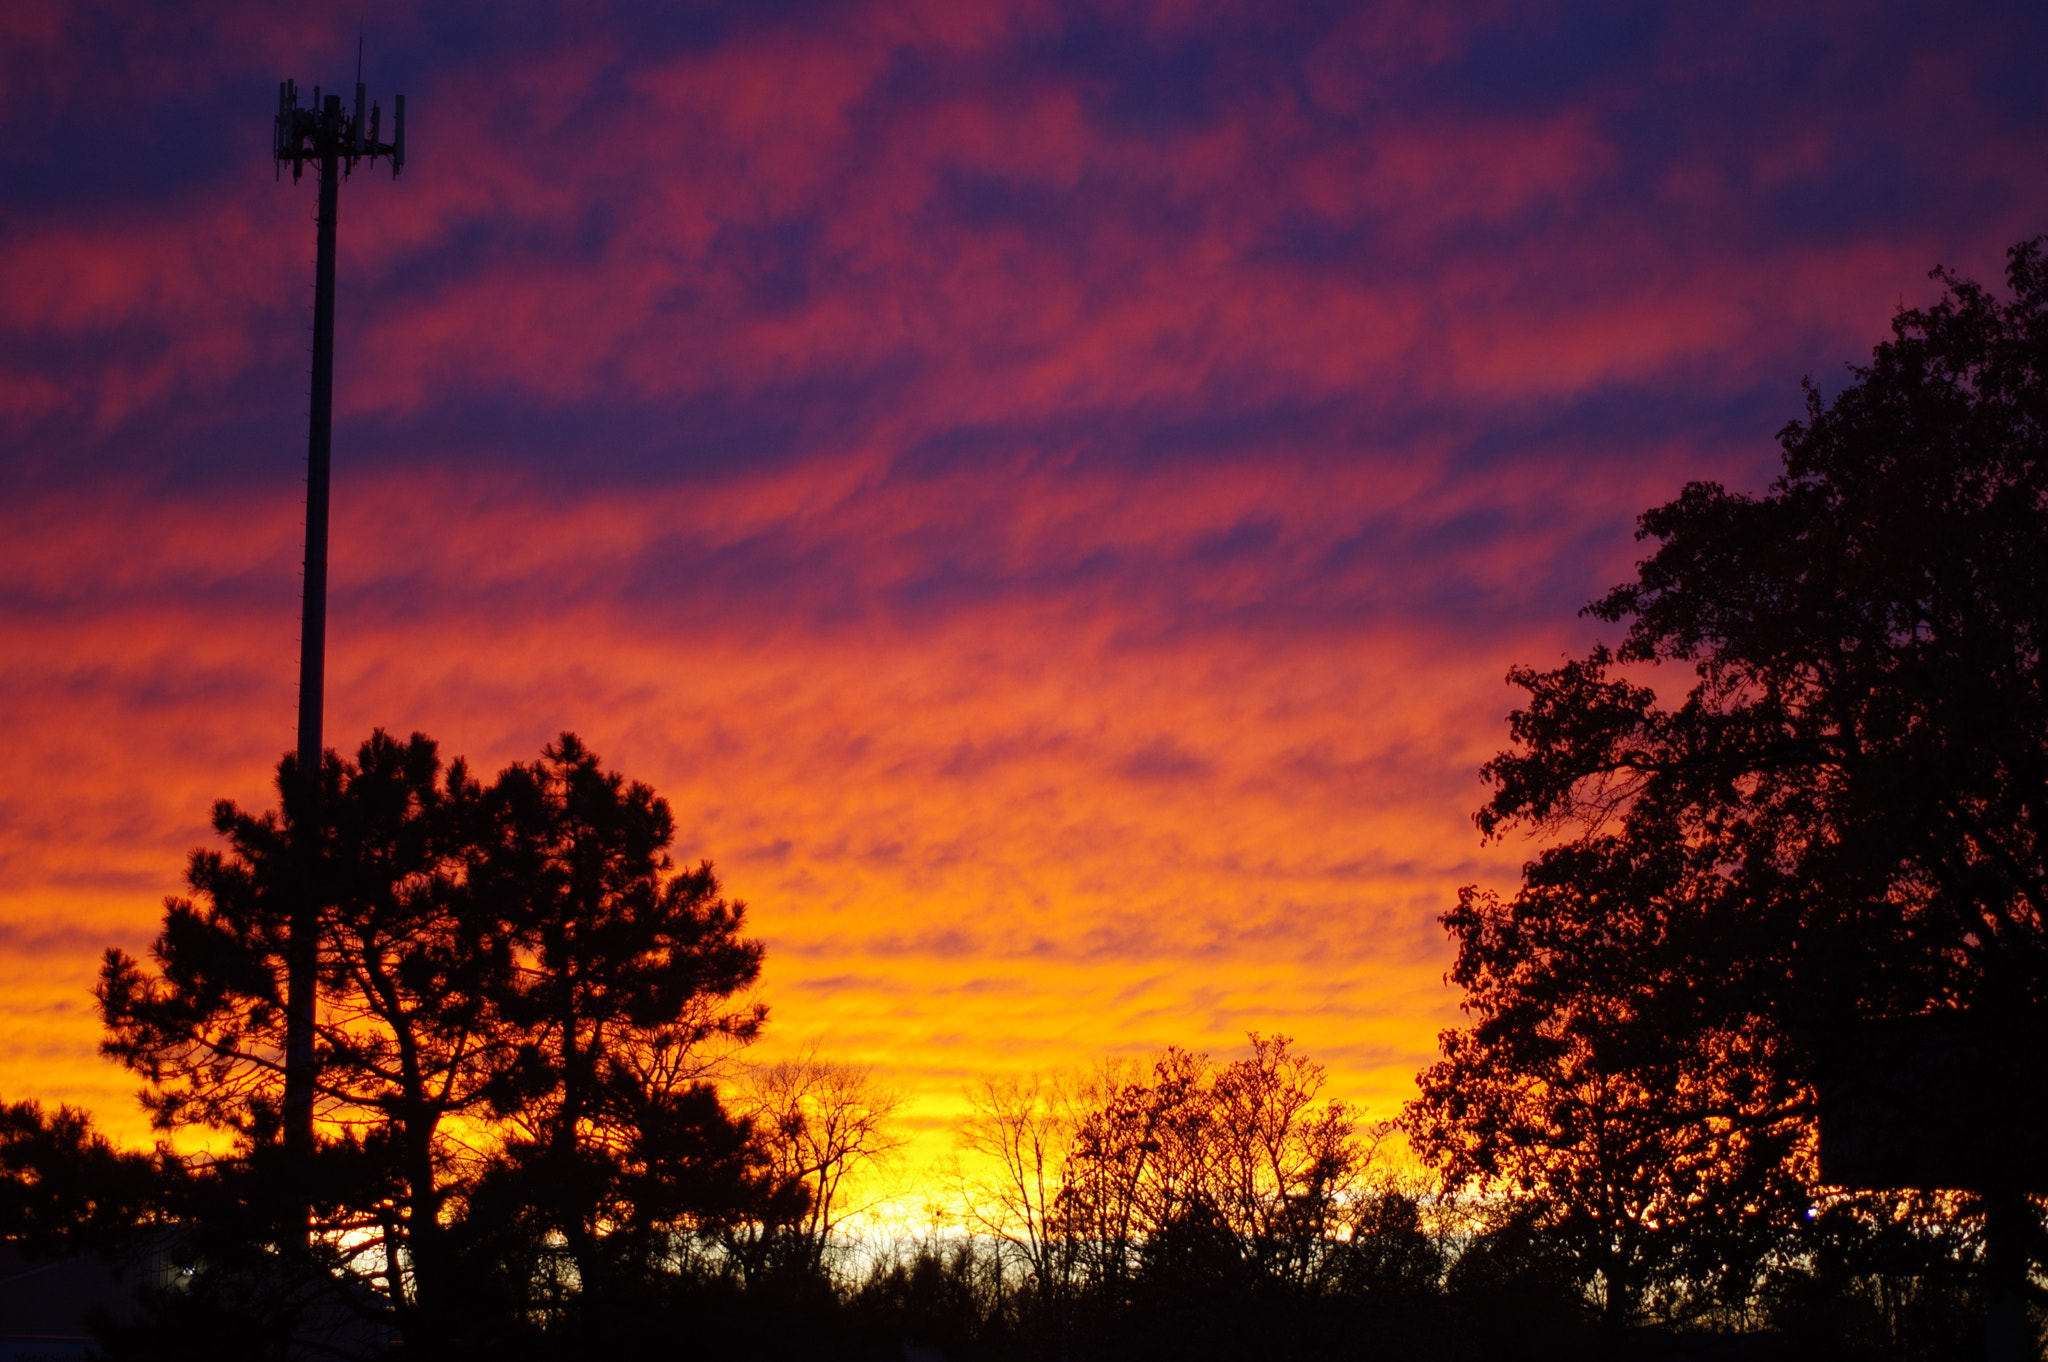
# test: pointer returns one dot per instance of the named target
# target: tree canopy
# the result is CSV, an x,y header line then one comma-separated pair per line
x,y
1840,817
520,995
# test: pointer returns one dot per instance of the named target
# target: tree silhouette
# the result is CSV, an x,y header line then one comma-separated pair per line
x,y
1664,1139
64,1188
1842,816
1285,1165
621,975
520,998
1170,1191
407,1036
820,1123
1022,1129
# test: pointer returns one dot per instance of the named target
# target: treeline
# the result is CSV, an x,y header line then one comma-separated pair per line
x,y
1181,1208
1196,1208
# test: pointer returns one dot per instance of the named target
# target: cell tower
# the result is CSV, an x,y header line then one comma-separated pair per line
x,y
334,141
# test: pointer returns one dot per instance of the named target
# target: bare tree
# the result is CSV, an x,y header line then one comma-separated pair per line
x,y
1136,1164
1283,1169
822,1123
1087,1176
1024,1130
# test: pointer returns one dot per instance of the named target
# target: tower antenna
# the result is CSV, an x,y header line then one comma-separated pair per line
x,y
332,140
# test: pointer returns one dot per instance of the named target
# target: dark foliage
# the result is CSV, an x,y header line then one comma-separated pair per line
x,y
1840,818
519,997
1882,1277
64,1189
1877,1279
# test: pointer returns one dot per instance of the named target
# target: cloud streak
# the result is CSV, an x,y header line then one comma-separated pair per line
x,y
1048,491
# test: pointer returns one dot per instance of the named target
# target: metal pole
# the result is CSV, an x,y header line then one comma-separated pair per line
x,y
302,961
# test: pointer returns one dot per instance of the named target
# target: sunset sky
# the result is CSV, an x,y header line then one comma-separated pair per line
x,y
1049,492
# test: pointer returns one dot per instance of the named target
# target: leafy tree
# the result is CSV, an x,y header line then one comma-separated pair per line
x,y
1841,817
935,1294
406,1034
64,1188
1390,1257
1664,1142
1864,754
617,999
519,995
1516,1289
1882,1275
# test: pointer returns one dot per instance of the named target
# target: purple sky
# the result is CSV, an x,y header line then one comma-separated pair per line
x,y
1049,491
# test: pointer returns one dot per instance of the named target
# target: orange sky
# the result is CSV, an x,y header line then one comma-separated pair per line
x,y
1049,494
1015,838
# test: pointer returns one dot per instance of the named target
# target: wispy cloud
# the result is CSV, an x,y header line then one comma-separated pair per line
x,y
1049,491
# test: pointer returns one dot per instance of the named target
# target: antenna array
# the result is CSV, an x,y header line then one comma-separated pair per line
x,y
303,135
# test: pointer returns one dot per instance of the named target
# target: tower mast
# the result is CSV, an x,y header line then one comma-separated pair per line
x,y
334,141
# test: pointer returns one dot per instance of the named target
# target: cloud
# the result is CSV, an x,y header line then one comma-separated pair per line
x,y
1048,491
